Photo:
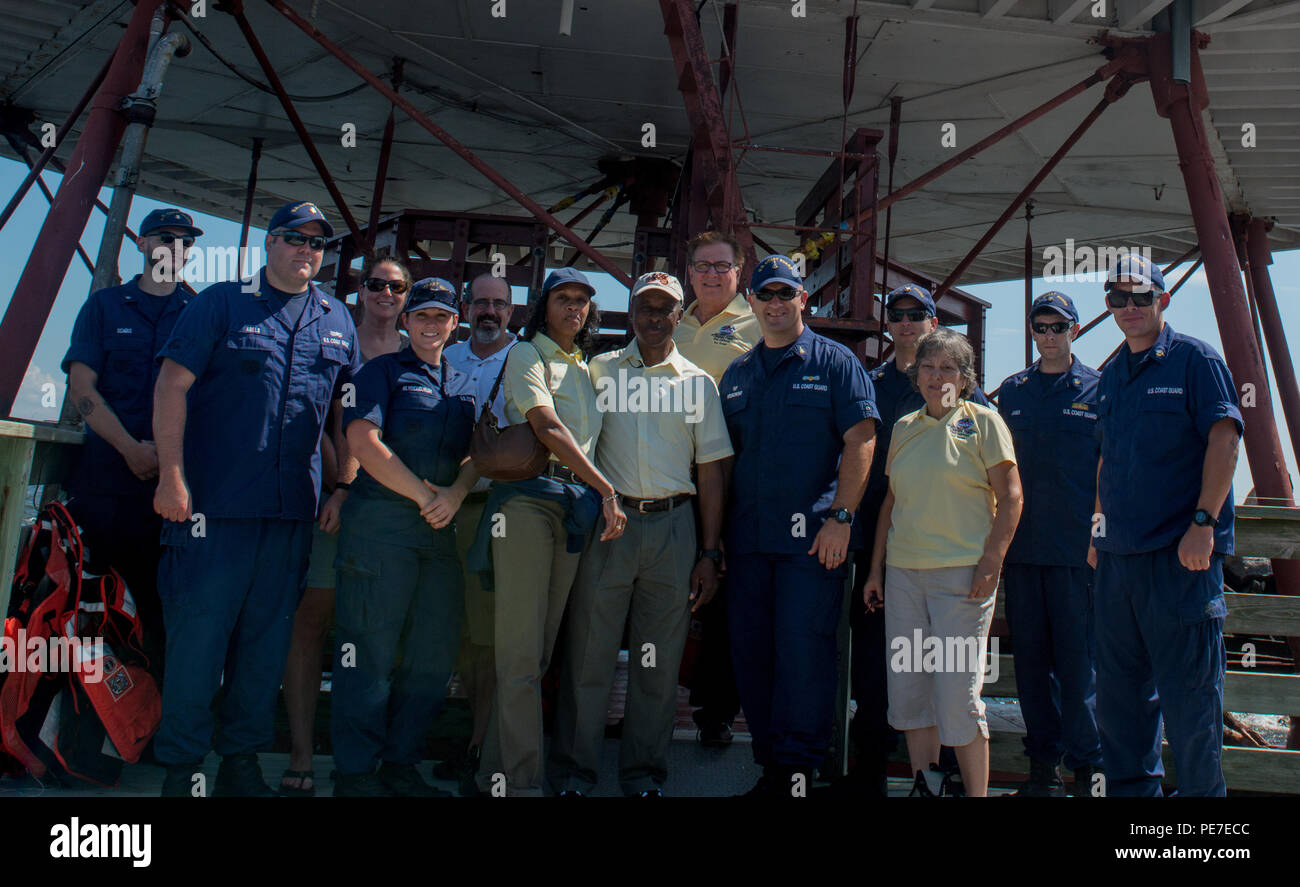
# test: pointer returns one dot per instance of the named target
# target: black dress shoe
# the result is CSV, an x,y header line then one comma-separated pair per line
x,y
361,785
179,781
404,781
712,733
240,776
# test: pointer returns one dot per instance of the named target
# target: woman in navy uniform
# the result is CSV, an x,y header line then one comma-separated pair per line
x,y
400,592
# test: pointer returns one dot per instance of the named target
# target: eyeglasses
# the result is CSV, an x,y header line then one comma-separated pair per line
x,y
295,238
716,267
898,315
169,238
1060,327
785,294
378,285
489,304
1118,298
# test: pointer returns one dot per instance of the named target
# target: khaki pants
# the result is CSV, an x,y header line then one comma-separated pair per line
x,y
645,573
533,574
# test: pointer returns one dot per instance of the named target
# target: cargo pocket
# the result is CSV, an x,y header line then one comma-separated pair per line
x,y
358,591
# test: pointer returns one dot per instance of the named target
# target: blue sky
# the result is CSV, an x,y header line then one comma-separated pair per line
x,y
1190,313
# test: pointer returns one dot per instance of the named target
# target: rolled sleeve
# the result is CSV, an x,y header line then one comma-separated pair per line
x,y
712,442
87,345
198,331
372,391
525,381
996,446
1213,395
853,395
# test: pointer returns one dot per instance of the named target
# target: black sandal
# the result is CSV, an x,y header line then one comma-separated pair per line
x,y
288,791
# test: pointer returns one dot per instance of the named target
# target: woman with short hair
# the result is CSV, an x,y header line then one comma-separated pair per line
x,y
953,504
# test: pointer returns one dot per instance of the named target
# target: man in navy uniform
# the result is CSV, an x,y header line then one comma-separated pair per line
x,y
910,315
247,379
802,417
1051,409
1170,429
111,373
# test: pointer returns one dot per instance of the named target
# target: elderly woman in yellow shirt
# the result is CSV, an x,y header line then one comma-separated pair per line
x,y
953,504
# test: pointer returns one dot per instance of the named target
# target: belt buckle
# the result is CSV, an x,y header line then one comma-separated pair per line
x,y
640,506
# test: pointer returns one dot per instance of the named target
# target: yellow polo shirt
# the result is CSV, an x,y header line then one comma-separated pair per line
x,y
656,421
570,393
938,473
714,345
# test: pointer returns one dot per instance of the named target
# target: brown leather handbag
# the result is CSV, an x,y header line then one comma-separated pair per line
x,y
510,453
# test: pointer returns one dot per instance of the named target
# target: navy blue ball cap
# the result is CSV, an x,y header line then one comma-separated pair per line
x,y
561,276
1054,301
295,215
1138,268
432,292
776,268
912,291
169,218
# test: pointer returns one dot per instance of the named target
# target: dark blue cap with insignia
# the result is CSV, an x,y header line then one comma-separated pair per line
x,y
169,218
295,215
432,292
912,291
1054,301
561,276
1137,268
775,268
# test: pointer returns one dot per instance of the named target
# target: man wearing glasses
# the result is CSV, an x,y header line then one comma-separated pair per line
x,y
111,371
247,379
1051,409
802,417
717,328
488,307
1170,428
910,316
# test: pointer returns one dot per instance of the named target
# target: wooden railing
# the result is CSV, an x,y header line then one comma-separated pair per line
x,y
1261,531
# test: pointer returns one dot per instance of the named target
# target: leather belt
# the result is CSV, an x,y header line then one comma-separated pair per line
x,y
561,473
646,506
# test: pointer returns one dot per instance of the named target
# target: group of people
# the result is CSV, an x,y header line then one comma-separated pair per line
x,y
258,464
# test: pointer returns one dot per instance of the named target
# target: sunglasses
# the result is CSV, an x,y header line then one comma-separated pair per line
x,y
1117,298
169,238
913,314
785,294
716,267
1061,326
295,238
378,285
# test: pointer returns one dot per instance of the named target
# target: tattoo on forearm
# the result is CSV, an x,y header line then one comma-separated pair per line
x,y
85,406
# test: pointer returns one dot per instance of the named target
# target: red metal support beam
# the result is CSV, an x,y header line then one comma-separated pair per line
x,y
273,79
381,170
460,150
48,263
1119,63
59,135
251,190
708,126
1114,90
1275,334
1182,104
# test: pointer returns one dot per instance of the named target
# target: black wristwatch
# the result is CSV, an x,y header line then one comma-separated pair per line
x,y
712,554
1203,518
843,515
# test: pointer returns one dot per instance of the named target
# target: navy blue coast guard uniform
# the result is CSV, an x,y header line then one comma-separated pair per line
x,y
787,429
398,578
1159,625
117,334
267,365
875,740
1053,422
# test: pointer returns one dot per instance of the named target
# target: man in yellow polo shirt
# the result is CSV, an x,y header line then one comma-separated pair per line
x,y
718,327
661,413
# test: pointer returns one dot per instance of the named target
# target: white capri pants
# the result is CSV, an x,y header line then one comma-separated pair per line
x,y
937,645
